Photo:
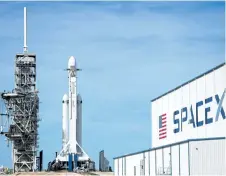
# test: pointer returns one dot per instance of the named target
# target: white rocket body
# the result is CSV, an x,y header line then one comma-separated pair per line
x,y
72,104
65,120
72,119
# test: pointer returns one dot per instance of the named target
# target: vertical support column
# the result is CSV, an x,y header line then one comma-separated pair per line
x,y
70,162
75,161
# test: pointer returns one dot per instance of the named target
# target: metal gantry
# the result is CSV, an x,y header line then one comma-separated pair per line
x,y
22,107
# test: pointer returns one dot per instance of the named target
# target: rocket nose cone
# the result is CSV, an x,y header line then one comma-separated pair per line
x,y
65,97
71,62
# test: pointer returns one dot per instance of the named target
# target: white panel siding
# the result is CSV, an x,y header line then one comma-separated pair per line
x,y
131,162
147,163
167,160
124,165
116,167
196,158
192,130
200,98
178,102
184,170
209,128
120,167
152,162
159,161
175,160
207,157
184,128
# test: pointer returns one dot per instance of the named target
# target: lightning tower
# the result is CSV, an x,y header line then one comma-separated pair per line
x,y
22,107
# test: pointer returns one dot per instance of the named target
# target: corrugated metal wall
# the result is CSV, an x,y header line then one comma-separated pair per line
x,y
147,163
167,160
183,152
175,160
133,164
152,163
195,158
207,157
120,167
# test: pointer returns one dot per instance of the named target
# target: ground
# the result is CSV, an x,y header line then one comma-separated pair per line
x,y
63,173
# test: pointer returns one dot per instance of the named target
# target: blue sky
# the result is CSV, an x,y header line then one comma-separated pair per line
x,y
130,53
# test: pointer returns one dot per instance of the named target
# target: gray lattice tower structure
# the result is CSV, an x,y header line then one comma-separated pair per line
x,y
22,106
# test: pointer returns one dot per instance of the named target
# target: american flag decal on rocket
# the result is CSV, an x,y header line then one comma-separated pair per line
x,y
162,126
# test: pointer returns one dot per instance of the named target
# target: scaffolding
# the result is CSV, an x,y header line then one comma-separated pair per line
x,y
21,111
22,106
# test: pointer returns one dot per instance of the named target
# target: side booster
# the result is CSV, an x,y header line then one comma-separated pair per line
x,y
79,121
65,120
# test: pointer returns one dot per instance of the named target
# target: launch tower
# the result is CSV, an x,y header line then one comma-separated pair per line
x,y
22,106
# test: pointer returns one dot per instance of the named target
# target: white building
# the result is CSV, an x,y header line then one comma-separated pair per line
x,y
188,131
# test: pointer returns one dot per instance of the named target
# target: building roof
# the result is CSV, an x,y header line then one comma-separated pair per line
x,y
209,71
169,145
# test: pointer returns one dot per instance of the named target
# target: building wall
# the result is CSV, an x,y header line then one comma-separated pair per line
x,y
192,110
120,169
152,162
175,159
184,166
206,157
147,163
133,164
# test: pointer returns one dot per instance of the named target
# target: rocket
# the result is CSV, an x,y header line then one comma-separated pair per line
x,y
72,113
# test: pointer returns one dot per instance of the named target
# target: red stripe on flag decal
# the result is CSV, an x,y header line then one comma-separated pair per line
x,y
162,133
164,129
162,137
162,126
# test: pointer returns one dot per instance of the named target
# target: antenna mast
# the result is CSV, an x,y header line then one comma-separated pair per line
x,y
25,29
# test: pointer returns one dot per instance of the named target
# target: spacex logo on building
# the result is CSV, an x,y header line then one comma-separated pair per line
x,y
190,115
162,126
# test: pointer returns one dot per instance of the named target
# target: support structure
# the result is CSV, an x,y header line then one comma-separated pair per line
x,y
22,107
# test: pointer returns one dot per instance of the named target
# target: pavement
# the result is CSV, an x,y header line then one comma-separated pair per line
x,y
63,173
